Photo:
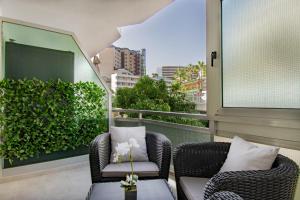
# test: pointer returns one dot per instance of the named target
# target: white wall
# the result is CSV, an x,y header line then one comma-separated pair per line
x,y
107,61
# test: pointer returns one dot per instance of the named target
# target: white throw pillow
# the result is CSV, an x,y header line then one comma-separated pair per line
x,y
244,156
123,134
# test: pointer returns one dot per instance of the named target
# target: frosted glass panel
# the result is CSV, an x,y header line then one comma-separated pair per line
x,y
261,53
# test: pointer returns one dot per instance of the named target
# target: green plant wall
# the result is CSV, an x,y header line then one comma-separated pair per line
x,y
37,37
40,117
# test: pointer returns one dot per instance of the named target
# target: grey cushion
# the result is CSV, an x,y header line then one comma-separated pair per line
x,y
193,187
142,169
243,156
123,134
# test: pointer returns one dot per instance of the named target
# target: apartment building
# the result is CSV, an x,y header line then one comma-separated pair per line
x,y
168,72
142,59
113,58
133,61
123,78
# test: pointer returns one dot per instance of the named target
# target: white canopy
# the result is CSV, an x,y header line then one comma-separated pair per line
x,y
94,22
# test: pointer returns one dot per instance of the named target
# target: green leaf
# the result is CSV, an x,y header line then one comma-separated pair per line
x,y
43,117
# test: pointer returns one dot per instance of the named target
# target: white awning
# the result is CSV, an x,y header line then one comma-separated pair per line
x,y
94,22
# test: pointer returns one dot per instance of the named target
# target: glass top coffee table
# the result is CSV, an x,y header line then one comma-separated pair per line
x,y
157,189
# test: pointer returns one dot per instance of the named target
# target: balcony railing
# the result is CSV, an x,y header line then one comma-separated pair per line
x,y
159,121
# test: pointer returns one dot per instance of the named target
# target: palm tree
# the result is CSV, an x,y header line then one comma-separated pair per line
x,y
195,71
180,75
201,66
190,71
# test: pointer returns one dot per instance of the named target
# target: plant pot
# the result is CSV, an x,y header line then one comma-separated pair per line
x,y
131,193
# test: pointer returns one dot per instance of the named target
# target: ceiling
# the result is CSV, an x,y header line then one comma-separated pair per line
x,y
94,22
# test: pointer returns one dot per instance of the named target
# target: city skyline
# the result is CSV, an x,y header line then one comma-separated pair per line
x,y
173,36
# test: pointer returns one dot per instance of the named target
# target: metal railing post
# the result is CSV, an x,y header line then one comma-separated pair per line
x,y
140,118
212,129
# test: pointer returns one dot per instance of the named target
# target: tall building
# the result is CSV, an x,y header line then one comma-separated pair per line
x,y
123,78
133,61
168,72
114,58
143,62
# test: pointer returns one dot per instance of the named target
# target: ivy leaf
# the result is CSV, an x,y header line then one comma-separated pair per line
x,y
46,116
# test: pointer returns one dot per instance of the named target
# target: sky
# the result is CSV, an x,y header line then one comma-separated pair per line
x,y
175,35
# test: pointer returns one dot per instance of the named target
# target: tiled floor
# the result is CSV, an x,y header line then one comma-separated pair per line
x,y
69,184
72,184
64,185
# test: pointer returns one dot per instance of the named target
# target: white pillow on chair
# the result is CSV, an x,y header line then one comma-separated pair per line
x,y
244,156
123,134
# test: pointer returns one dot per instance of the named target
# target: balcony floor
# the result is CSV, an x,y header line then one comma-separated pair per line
x,y
71,184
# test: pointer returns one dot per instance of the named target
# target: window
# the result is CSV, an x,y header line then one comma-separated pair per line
x,y
261,53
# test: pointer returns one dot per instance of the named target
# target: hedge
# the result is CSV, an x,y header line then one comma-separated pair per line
x,y
38,117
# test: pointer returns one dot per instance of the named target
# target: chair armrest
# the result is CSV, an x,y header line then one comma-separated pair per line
x,y
277,183
225,195
99,155
159,152
199,159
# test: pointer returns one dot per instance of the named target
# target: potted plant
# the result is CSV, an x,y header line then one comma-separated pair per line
x,y
129,185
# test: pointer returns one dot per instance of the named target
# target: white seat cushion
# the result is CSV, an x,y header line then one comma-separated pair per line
x,y
142,169
244,156
123,134
193,187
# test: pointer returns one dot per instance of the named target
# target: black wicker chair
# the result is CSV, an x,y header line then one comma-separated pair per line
x,y
159,152
205,160
225,195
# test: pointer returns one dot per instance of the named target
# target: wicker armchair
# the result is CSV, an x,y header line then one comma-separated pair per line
x,y
225,195
159,152
205,160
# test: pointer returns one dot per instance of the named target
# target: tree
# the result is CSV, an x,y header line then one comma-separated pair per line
x,y
190,72
177,100
154,75
125,98
181,75
149,94
201,66
147,88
